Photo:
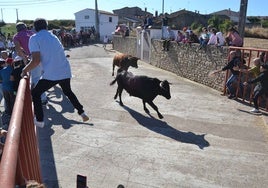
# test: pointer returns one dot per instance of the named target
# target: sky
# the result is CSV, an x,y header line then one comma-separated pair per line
x,y
65,9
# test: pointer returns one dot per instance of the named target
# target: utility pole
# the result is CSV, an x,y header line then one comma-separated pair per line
x,y
163,2
97,21
2,15
242,17
17,13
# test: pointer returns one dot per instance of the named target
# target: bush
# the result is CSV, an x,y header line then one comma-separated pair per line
x,y
257,32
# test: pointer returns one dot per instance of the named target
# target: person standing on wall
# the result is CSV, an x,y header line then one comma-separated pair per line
x,y
170,36
43,45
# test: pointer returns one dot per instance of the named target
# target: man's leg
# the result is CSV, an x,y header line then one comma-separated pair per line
x,y
229,84
41,87
66,88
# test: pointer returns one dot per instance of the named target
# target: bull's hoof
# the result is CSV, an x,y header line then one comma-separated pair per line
x,y
146,110
121,104
160,116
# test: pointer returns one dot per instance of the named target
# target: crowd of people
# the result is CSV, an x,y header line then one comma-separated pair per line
x,y
208,36
236,64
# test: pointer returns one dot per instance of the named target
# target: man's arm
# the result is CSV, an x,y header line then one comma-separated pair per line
x,y
33,63
19,49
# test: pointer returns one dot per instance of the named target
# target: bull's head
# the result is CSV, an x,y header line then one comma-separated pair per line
x,y
165,89
133,61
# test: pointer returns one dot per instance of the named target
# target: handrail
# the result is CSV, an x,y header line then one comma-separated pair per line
x,y
250,56
20,159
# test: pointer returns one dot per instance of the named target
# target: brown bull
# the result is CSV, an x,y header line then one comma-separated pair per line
x,y
124,61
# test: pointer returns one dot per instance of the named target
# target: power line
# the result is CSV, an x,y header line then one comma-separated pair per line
x,y
28,2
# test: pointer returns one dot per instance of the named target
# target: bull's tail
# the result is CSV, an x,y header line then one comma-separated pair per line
x,y
113,82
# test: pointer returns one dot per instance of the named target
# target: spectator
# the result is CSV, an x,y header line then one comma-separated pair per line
x,y
170,36
2,45
127,31
264,57
233,38
43,45
186,38
179,37
105,41
213,37
255,70
204,38
148,22
2,64
7,86
4,54
220,39
21,41
18,65
260,89
193,37
234,61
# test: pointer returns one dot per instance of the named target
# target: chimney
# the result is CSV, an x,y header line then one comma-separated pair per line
x,y
156,13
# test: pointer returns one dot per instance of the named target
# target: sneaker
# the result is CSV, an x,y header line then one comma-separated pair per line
x,y
84,117
254,110
40,124
231,96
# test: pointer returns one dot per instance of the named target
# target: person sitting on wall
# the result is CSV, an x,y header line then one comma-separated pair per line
x,y
233,38
204,38
179,37
170,36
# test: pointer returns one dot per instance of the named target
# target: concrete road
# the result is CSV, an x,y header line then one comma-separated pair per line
x,y
205,140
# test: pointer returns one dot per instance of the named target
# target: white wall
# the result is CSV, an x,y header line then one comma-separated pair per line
x,y
106,27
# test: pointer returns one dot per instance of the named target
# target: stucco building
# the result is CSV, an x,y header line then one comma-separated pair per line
x,y
85,20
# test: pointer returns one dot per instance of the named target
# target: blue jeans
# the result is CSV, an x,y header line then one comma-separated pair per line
x,y
229,83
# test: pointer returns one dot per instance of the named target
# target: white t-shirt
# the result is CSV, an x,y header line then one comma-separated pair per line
x,y
221,38
53,60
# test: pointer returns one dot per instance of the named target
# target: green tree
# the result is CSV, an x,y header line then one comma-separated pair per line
x,y
196,26
264,23
215,21
225,25
254,20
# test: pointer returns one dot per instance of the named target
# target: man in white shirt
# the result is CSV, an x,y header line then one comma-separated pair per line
x,y
43,45
170,36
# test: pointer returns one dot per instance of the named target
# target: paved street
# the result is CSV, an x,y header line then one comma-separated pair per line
x,y
204,141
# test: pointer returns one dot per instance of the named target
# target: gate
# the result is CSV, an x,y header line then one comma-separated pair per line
x,y
144,45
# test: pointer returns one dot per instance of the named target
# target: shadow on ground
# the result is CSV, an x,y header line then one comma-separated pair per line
x,y
163,128
54,117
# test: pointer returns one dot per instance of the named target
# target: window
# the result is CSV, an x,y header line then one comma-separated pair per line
x,y
110,19
86,17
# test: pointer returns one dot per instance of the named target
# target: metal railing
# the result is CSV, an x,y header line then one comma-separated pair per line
x,y
247,54
20,159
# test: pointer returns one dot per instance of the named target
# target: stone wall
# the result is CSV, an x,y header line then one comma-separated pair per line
x,y
185,60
